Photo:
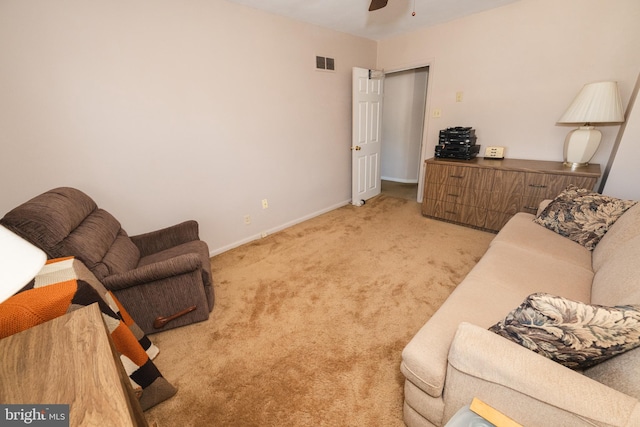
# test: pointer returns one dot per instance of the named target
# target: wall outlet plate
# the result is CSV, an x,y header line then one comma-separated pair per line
x,y
494,153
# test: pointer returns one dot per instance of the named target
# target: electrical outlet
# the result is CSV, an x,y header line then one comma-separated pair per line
x,y
265,204
437,113
247,219
458,96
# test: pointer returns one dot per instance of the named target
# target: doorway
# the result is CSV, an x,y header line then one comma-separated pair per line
x,y
402,131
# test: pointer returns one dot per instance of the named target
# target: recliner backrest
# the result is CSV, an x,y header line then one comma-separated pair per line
x,y
66,222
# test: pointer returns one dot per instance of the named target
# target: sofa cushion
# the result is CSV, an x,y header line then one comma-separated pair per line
x,y
582,215
617,281
47,219
525,271
422,407
101,244
626,228
620,373
122,256
574,334
521,231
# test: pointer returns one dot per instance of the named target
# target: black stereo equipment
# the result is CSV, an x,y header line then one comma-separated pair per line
x,y
465,152
457,143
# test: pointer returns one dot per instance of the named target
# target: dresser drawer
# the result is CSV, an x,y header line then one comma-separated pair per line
x,y
557,183
457,195
530,204
537,185
509,203
496,220
469,215
459,176
548,186
512,182
507,191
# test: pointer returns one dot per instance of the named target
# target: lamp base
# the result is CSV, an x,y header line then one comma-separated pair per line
x,y
574,166
580,145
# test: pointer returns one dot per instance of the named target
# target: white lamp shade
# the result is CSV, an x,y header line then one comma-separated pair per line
x,y
596,103
20,261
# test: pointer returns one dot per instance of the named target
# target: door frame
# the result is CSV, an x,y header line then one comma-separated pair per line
x,y
427,110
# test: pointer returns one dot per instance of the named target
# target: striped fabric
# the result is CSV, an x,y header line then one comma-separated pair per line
x,y
64,285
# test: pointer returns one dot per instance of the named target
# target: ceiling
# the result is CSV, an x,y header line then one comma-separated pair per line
x,y
353,17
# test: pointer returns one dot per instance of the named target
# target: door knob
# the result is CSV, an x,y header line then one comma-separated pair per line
x,y
357,148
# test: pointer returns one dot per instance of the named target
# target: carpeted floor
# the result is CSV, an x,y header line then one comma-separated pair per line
x,y
310,322
400,190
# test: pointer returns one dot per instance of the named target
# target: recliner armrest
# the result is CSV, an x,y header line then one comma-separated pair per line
x,y
159,240
510,376
156,271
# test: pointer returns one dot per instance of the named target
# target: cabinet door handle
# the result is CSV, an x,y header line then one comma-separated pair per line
x,y
453,195
533,208
457,176
451,212
537,186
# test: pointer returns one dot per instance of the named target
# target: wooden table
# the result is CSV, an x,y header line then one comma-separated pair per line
x,y
70,360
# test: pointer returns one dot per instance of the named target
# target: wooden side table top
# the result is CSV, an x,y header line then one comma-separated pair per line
x,y
69,360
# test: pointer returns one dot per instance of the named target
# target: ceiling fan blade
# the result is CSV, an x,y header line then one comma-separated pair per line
x,y
377,4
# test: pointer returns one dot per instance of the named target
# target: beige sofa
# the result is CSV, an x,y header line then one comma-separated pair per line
x,y
454,358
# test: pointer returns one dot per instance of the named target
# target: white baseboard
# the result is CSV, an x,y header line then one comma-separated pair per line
x,y
249,239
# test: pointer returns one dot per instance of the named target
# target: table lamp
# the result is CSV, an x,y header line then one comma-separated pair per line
x,y
596,103
20,262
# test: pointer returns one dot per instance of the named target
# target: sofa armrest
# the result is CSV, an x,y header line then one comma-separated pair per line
x,y
527,387
156,271
543,204
169,237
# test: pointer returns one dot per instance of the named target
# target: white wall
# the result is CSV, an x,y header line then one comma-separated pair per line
x,y
623,180
402,124
164,110
519,66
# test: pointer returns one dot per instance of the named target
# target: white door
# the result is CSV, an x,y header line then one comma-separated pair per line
x,y
366,134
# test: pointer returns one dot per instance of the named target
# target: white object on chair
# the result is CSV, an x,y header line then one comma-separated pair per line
x,y
20,261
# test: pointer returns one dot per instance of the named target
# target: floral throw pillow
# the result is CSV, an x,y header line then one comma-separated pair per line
x,y
582,215
572,333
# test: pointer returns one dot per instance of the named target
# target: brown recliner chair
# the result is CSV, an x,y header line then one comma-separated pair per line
x,y
163,278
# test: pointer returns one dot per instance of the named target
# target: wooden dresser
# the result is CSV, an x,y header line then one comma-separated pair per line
x,y
486,193
70,360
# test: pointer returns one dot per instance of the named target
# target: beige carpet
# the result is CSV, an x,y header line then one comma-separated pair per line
x,y
400,190
310,322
